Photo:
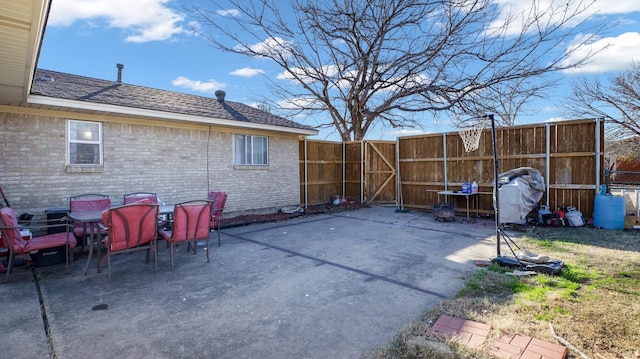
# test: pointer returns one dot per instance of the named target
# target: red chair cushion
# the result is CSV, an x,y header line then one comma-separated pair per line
x,y
219,199
141,198
191,221
9,219
21,246
90,204
87,204
130,226
50,240
165,234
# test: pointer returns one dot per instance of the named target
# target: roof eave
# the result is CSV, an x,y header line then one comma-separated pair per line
x,y
36,37
22,25
177,117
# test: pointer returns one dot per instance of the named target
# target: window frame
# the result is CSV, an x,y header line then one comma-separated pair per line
x,y
69,141
249,155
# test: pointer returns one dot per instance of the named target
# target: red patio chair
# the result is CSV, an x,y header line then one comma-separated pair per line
x,y
163,220
190,224
130,228
218,199
87,202
137,196
16,245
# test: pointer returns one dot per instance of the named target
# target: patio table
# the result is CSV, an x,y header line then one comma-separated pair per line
x,y
92,219
164,209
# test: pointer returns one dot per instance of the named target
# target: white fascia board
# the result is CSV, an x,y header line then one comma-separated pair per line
x,y
39,17
50,101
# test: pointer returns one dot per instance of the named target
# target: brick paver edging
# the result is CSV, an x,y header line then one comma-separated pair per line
x,y
508,346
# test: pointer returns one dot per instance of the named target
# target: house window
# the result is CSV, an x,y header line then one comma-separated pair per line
x,y
251,150
84,143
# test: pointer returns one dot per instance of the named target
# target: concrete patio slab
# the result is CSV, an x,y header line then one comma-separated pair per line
x,y
324,286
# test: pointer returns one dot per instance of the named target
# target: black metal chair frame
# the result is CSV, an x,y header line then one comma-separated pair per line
x,y
35,225
132,246
214,211
204,215
82,240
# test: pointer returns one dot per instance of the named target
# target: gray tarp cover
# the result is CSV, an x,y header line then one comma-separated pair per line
x,y
520,191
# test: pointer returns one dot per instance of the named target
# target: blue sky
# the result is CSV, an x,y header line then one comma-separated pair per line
x,y
153,39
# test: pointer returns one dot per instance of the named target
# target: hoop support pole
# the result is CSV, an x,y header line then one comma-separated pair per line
x,y
496,167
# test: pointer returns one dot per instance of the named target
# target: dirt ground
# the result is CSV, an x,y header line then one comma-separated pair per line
x,y
247,219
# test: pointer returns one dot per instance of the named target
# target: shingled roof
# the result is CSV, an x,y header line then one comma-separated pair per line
x,y
65,86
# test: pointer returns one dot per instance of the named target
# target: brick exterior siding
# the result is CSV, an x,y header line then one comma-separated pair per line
x,y
178,163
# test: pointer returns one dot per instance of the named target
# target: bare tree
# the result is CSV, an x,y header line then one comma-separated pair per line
x,y
508,100
368,63
617,100
264,106
621,149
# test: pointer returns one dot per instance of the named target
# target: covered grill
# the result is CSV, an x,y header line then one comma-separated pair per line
x,y
520,191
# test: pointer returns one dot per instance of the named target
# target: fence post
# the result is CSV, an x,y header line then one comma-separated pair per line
x,y
547,161
597,131
362,174
344,166
399,200
444,161
306,176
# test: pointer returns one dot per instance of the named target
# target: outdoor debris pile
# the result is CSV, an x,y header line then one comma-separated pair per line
x,y
562,217
337,200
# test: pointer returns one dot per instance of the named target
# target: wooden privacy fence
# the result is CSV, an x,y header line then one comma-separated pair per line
x,y
364,170
412,170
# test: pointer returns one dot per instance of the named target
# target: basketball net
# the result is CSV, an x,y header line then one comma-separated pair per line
x,y
471,136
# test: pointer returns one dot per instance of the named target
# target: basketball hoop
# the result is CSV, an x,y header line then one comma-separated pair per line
x,y
471,136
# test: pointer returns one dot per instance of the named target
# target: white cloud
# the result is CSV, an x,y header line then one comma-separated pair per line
x,y
208,87
246,72
195,26
273,46
516,13
145,20
618,7
299,102
549,108
303,73
228,12
620,50
618,56
520,9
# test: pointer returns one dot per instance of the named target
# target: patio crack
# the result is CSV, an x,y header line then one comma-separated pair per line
x,y
370,276
45,318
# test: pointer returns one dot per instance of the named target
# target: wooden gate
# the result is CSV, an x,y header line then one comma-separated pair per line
x,y
364,170
380,173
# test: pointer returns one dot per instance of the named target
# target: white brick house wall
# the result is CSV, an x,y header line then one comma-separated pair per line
x,y
178,162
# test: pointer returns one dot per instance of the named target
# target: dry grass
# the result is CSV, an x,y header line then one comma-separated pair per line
x,y
593,304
